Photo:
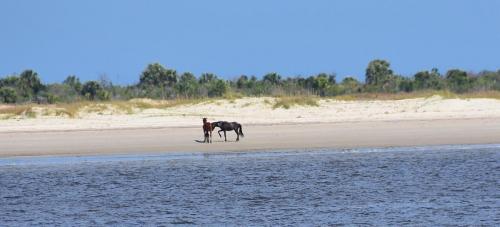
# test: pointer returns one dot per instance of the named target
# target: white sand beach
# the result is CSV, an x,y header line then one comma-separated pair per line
x,y
252,111
333,123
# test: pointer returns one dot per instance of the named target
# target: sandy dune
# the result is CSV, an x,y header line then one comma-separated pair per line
x,y
257,111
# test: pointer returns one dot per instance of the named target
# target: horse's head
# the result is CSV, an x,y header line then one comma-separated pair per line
x,y
215,124
204,120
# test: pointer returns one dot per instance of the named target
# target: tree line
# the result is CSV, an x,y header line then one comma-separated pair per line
x,y
158,82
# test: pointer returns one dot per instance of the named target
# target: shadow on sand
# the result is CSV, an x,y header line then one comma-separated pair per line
x,y
222,141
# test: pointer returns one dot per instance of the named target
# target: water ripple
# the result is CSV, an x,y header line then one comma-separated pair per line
x,y
445,185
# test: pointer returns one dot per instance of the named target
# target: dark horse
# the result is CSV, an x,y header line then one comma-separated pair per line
x,y
207,131
228,126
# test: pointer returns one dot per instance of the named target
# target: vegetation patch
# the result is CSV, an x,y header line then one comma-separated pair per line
x,y
159,87
246,104
163,104
122,106
445,94
288,101
231,95
8,112
481,94
396,96
71,109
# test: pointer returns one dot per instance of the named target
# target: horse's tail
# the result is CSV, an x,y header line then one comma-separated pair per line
x,y
241,131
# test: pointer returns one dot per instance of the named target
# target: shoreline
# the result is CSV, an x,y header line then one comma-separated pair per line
x,y
71,159
258,137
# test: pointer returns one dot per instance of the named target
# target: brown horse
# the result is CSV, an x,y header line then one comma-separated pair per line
x,y
207,131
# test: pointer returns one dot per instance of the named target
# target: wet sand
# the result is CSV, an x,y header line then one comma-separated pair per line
x,y
257,137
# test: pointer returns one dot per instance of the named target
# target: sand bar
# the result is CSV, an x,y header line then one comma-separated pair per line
x,y
257,137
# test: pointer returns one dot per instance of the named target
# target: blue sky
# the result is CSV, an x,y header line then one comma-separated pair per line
x,y
119,38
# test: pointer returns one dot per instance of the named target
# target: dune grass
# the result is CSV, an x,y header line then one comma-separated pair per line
x,y
247,104
74,109
71,109
418,94
162,104
13,111
395,96
231,96
480,94
288,101
124,107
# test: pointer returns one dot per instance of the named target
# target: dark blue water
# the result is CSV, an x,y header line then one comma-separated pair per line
x,y
399,186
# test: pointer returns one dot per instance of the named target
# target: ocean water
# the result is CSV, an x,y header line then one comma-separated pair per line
x,y
444,185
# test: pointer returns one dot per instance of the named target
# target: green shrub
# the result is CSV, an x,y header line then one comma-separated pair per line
x,y
8,95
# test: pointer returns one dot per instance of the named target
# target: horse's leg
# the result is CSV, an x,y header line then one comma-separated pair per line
x,y
237,135
225,138
219,133
210,136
